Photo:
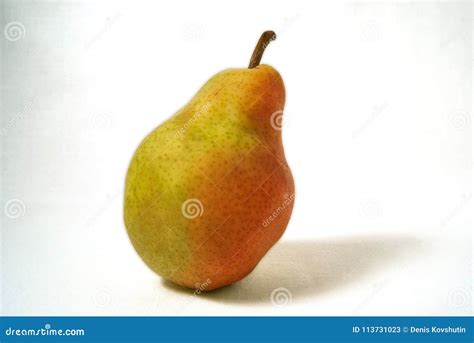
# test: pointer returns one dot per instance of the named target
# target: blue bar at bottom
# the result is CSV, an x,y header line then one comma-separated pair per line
x,y
237,329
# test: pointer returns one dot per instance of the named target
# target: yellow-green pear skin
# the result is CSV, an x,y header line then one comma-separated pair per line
x,y
209,191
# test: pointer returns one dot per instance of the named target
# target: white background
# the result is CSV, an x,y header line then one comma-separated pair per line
x,y
377,131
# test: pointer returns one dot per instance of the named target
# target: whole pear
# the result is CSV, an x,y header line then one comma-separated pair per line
x,y
209,191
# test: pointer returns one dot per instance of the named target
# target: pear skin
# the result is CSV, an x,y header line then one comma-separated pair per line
x,y
209,192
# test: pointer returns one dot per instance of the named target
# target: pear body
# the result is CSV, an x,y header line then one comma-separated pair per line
x,y
209,192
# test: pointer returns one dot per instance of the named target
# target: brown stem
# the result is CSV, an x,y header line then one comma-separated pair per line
x,y
263,42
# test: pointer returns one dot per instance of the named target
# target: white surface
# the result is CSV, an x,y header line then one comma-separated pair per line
x,y
377,132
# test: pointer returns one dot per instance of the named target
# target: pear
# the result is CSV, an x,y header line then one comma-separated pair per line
x,y
209,192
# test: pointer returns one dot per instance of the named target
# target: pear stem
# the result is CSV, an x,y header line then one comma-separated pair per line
x,y
263,42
